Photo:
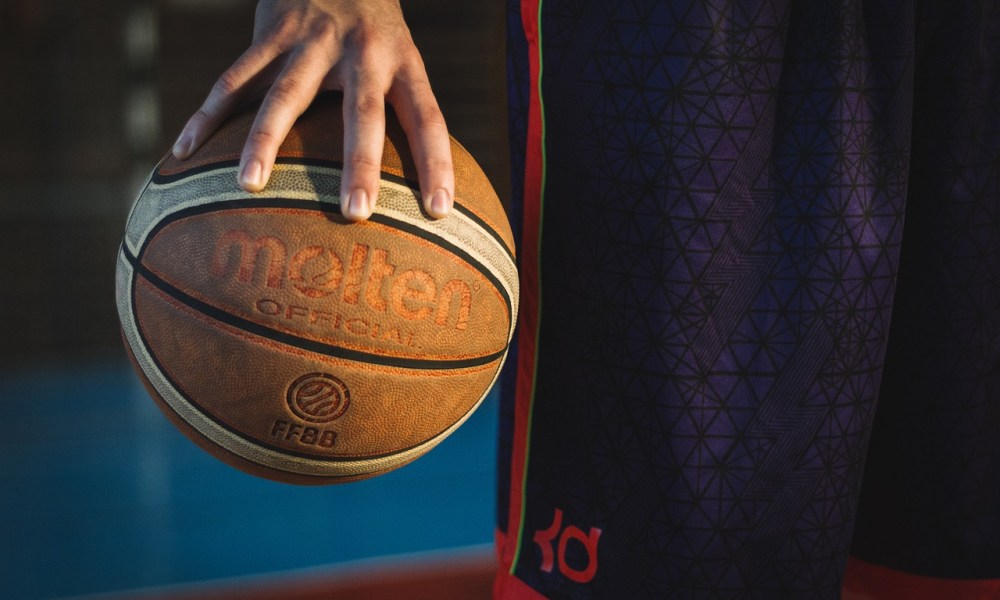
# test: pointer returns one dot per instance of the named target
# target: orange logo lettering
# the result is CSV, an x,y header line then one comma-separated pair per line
x,y
366,277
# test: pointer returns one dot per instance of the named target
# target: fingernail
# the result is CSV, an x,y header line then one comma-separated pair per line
x,y
356,206
250,177
440,203
182,147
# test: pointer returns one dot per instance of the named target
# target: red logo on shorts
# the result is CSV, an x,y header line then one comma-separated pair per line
x,y
318,397
544,538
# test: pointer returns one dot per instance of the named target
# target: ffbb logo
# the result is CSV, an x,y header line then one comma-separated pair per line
x,y
318,397
365,275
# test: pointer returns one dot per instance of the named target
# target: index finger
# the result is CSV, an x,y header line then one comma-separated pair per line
x,y
228,92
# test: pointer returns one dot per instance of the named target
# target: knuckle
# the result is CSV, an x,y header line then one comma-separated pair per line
x,y
285,26
369,105
227,84
285,91
364,167
259,139
411,59
324,31
373,50
364,162
368,65
440,164
430,117
201,117
365,36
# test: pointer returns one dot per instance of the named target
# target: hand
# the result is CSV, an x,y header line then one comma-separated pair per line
x,y
362,47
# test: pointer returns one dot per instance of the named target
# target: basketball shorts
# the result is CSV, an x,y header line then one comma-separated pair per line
x,y
759,348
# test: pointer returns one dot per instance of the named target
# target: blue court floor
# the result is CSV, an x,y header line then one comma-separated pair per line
x,y
99,493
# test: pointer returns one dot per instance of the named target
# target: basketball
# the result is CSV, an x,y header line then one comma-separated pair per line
x,y
295,345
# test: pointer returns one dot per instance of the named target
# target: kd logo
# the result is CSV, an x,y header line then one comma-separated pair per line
x,y
543,538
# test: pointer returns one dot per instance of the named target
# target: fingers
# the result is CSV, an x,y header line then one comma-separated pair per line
x,y
364,138
288,97
363,49
229,91
427,134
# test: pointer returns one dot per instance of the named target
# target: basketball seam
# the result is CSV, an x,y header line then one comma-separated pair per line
x,y
174,383
481,245
159,177
276,335
310,205
452,249
486,226
167,278
265,342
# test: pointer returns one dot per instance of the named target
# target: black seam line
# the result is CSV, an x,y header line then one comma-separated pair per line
x,y
452,248
160,178
486,227
315,162
277,202
305,343
252,202
256,442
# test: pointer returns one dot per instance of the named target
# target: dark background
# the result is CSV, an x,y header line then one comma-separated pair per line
x,y
99,494
93,93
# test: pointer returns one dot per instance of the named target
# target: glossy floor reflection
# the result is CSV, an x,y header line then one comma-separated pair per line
x,y
99,493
